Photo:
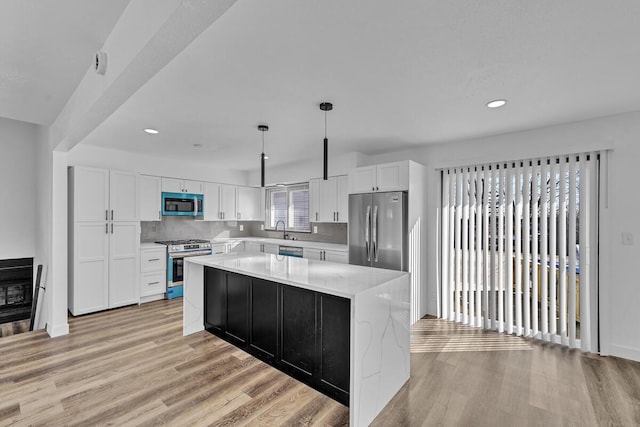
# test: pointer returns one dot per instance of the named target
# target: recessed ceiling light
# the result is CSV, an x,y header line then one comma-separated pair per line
x,y
151,131
497,103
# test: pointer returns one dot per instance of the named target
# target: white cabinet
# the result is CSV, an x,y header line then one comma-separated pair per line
x,y
176,185
150,198
329,199
219,202
153,273
326,255
385,177
104,239
267,248
249,204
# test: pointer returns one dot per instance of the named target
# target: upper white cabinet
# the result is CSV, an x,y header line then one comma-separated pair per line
x,y
249,204
385,177
329,199
104,239
219,202
150,198
175,185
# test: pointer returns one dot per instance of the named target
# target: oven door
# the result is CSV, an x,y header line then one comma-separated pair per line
x,y
175,265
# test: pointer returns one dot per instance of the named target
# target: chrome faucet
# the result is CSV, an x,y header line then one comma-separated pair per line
x,y
284,229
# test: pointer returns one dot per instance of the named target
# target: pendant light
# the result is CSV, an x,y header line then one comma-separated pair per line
x,y
326,106
263,129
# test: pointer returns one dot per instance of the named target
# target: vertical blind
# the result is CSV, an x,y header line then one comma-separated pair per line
x,y
518,247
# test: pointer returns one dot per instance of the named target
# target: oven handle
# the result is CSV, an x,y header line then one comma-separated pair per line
x,y
188,254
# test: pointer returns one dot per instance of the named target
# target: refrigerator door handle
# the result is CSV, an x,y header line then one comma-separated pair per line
x,y
374,242
366,233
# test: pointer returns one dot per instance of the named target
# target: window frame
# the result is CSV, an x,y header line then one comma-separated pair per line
x,y
288,189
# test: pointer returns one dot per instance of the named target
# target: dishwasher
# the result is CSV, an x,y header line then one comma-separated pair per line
x,y
294,251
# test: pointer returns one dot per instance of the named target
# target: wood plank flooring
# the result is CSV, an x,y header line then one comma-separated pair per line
x,y
132,366
14,328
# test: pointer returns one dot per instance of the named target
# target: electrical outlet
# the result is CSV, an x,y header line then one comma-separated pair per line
x,y
241,227
261,226
315,229
627,238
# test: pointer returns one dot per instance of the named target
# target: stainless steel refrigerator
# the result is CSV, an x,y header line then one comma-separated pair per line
x,y
378,230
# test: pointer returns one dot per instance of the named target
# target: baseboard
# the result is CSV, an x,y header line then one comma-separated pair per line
x,y
150,298
58,330
624,352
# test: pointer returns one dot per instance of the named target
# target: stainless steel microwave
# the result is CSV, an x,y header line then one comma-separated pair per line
x,y
182,204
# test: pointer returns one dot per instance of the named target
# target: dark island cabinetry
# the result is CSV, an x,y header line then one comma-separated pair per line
x,y
303,333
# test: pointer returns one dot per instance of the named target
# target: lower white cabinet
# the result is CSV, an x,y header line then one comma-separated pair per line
x,y
326,255
104,266
267,248
153,273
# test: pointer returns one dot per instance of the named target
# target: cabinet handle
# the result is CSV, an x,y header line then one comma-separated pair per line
x,y
106,214
337,216
316,216
154,259
106,229
377,188
159,215
373,188
111,228
153,283
111,214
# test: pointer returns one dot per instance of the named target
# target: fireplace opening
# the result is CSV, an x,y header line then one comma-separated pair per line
x,y
16,289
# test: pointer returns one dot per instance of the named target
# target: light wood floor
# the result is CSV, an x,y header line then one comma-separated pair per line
x,y
132,366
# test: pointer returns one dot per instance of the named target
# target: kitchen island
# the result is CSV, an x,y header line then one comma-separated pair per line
x,y
367,307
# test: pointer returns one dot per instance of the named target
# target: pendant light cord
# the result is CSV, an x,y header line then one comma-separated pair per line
x,y
325,124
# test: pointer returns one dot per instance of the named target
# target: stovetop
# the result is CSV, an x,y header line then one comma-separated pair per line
x,y
184,246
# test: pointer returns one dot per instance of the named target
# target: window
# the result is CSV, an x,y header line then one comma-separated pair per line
x,y
519,247
289,204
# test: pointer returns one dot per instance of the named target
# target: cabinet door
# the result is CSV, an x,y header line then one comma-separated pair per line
x,y
193,187
314,200
89,284
254,247
215,295
150,199
328,197
342,199
298,339
264,318
238,307
123,200
393,177
172,185
311,253
335,331
270,249
211,204
336,256
90,194
249,203
228,202
362,180
124,263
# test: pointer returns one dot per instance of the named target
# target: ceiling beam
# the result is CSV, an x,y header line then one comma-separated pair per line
x,y
142,43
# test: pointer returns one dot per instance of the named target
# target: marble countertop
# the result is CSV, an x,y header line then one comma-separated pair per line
x,y
298,243
152,245
343,280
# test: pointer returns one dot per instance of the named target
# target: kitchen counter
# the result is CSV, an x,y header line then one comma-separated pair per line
x,y
299,243
152,245
379,318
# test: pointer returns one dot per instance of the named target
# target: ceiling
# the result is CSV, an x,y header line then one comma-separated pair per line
x,y
400,75
45,49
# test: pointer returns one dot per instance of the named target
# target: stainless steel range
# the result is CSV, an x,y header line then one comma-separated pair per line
x,y
177,251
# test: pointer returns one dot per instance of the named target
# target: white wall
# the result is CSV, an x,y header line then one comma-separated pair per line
x,y
619,289
304,170
17,188
87,155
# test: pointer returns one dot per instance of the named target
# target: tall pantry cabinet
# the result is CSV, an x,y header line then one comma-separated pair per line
x,y
104,241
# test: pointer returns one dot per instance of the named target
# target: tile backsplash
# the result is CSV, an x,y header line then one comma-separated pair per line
x,y
175,228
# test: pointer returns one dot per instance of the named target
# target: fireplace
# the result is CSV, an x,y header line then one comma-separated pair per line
x,y
16,289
